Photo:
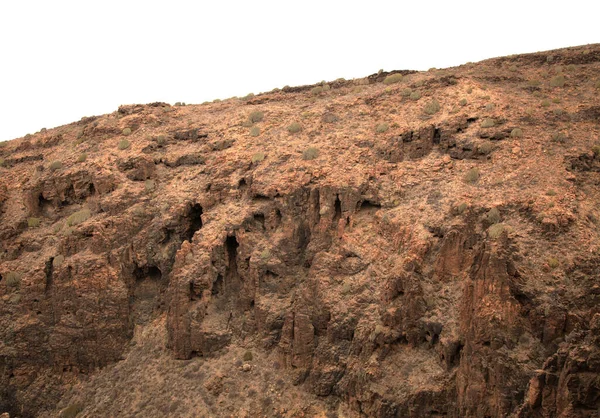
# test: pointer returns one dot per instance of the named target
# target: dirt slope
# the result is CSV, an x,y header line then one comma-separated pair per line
x,y
423,247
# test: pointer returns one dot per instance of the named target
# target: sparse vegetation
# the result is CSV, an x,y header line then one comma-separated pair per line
x,y
1,162
559,137
256,116
381,128
496,230
315,91
82,157
463,102
149,185
294,128
79,217
493,216
126,131
558,81
55,165
596,150
58,260
71,411
553,263
161,140
393,78
33,222
545,103
432,107
415,95
124,144
472,176
248,356
13,279
406,92
258,157
459,209
516,133
255,131
488,123
310,153
485,148
551,192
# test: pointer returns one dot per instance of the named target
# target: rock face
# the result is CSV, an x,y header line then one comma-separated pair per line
x,y
438,267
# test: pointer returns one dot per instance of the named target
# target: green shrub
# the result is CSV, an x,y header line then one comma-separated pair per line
x,y
256,116
58,260
490,106
265,254
78,217
315,91
179,104
161,140
596,150
82,157
545,103
415,95
488,123
124,144
461,208
1,162
551,192
432,107
470,90
330,118
310,153
559,137
512,68
496,230
258,157
556,100
558,81
71,411
472,176
381,128
516,133
394,78
294,128
149,185
126,131
463,102
597,85
248,356
406,92
55,165
255,131
493,216
13,279
485,148
553,263
534,83
33,222
326,87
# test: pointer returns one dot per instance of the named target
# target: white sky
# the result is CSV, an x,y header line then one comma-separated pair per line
x,y
61,60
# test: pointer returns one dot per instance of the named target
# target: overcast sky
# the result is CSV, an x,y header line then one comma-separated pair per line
x,y
61,60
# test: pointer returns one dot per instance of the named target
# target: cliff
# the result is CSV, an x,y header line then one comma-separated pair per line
x,y
409,244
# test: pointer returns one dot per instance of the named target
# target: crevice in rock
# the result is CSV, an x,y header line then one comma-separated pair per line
x,y
338,210
145,299
49,271
194,219
217,285
369,206
259,218
437,135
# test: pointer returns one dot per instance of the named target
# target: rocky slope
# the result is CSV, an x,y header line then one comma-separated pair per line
x,y
383,247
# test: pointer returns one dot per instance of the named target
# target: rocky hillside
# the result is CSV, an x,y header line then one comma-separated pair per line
x,y
409,244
